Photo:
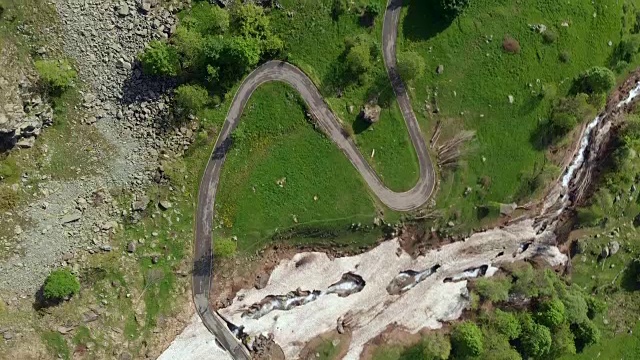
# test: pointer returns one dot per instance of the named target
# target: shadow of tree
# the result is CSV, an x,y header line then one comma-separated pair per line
x,y
425,18
139,87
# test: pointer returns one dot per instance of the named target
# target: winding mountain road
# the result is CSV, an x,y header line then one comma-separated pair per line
x,y
287,73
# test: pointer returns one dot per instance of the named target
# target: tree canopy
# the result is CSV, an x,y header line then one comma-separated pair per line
x,y
466,340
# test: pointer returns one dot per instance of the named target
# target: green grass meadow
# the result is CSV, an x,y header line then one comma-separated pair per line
x,y
282,173
473,91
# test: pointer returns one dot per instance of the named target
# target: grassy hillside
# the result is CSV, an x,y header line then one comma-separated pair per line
x,y
479,76
282,173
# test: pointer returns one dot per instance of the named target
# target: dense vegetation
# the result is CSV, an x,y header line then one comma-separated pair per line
x,y
536,316
60,284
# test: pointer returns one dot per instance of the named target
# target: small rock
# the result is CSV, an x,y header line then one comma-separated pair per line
x,y
106,248
508,209
131,247
7,335
140,204
451,224
64,330
89,316
17,230
165,205
73,217
261,281
614,247
511,99
125,356
605,252
123,10
155,259
26,143
439,69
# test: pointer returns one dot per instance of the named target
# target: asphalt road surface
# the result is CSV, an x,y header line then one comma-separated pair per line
x,y
291,75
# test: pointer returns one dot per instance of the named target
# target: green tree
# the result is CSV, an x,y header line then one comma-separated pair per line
x,y
57,75
551,313
497,347
586,333
60,284
224,248
594,306
535,339
569,112
191,98
358,57
597,80
466,340
506,324
576,307
249,20
159,58
410,65
563,342
238,56
494,290
190,46
436,346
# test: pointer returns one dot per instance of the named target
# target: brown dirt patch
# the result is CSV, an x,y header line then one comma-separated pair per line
x,y
342,341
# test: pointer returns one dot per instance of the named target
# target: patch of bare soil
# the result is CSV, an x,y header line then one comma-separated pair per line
x,y
396,335
342,341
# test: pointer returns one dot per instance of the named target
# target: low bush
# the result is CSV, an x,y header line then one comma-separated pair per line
x,y
510,45
191,98
494,290
597,80
160,59
410,65
224,248
549,37
60,284
466,340
56,75
567,113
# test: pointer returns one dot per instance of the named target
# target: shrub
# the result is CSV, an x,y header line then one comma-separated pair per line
x,y
436,346
207,19
191,98
563,342
549,37
160,59
575,305
373,9
494,290
57,75
190,46
595,306
60,284
567,113
224,248
510,45
551,313
8,169
410,65
535,339
597,80
249,20
565,57
358,59
625,51
466,340
8,199
506,324
586,334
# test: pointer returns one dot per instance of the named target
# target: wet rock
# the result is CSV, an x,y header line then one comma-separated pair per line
x,y
261,281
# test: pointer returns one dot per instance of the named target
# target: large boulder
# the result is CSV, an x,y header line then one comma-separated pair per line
x,y
370,113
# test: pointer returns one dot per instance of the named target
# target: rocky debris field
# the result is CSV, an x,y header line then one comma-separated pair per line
x,y
23,113
73,218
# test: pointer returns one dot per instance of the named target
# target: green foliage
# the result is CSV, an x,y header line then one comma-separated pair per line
x,y
56,344
436,346
57,75
535,339
595,306
596,80
586,333
191,98
359,58
249,21
239,55
506,324
60,284
563,341
454,7
626,50
8,199
532,283
160,59
410,65
206,19
224,248
8,169
551,313
190,46
466,340
576,307
494,290
373,9
549,37
497,347
569,112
